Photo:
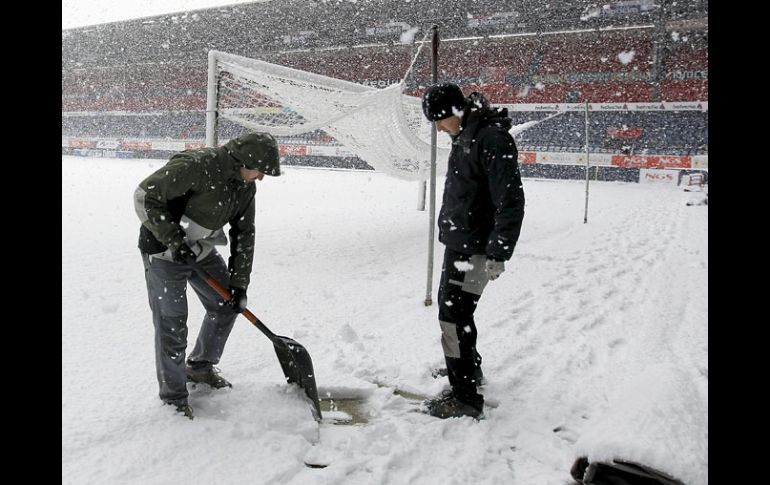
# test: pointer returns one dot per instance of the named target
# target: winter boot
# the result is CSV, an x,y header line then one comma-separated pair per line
x,y
450,405
184,409
208,376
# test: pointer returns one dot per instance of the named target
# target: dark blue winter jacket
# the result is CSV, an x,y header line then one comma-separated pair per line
x,y
483,202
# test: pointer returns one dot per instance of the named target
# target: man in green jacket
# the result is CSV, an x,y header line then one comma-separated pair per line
x,y
183,208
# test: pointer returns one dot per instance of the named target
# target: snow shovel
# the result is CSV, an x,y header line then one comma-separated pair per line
x,y
294,358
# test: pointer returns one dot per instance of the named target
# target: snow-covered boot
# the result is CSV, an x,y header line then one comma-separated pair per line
x,y
450,405
208,376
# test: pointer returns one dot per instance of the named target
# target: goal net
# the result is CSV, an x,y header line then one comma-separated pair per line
x,y
383,127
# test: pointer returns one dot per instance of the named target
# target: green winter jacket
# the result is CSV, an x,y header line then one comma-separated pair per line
x,y
190,199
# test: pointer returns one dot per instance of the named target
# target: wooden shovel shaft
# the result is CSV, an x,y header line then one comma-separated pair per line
x,y
222,291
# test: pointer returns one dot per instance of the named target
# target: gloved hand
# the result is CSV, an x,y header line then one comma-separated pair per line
x,y
494,268
239,299
183,253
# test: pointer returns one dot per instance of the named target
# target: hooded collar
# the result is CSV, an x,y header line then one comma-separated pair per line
x,y
480,114
231,168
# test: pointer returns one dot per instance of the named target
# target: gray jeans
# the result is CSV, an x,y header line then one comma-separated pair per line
x,y
167,292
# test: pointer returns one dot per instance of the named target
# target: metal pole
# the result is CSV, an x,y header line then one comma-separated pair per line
x,y
432,218
211,102
585,216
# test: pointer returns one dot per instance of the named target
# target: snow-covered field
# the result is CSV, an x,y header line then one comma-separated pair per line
x,y
598,330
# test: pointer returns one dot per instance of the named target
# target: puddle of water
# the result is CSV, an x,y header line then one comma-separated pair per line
x,y
352,410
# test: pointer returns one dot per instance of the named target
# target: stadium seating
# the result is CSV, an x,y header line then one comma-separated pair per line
x,y
147,77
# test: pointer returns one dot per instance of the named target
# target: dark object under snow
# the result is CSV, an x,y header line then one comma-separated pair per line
x,y
618,472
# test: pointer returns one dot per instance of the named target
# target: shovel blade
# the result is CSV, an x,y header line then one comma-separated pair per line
x,y
298,368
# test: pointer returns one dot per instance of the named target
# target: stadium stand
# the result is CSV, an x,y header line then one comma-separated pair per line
x,y
146,78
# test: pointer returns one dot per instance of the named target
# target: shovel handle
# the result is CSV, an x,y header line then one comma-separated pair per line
x,y
225,294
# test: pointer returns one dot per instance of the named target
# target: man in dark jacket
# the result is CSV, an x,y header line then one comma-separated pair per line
x,y
183,207
479,223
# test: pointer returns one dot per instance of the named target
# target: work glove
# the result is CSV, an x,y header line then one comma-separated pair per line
x,y
239,299
494,268
183,253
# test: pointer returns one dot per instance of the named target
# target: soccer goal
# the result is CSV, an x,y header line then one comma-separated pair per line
x,y
383,127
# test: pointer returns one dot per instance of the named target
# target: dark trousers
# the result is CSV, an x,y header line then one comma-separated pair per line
x,y
167,292
463,279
